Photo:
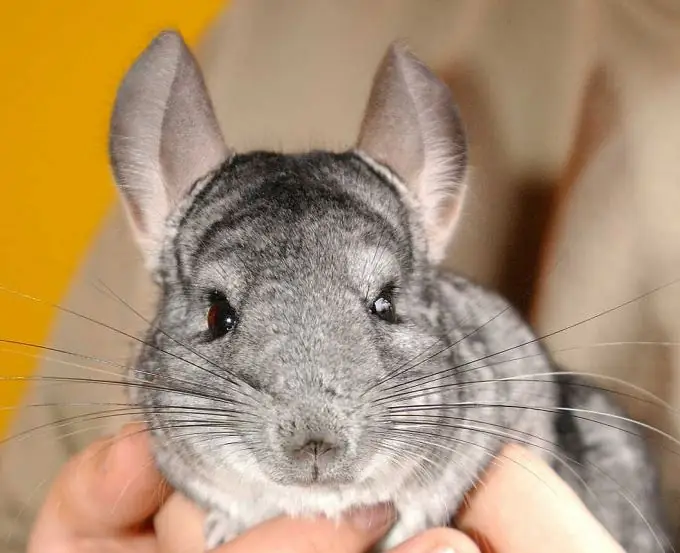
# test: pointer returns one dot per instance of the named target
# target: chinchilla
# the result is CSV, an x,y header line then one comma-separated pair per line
x,y
308,354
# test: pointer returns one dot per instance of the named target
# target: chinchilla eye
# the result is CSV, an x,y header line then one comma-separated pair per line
x,y
221,316
383,306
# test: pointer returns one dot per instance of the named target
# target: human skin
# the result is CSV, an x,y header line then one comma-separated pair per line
x,y
111,498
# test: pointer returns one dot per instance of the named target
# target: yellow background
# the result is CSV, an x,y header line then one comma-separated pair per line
x,y
60,62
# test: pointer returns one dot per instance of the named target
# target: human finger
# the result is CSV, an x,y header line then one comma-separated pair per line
x,y
522,505
355,532
438,540
110,488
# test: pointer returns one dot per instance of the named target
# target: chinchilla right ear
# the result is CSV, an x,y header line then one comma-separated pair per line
x,y
412,126
163,137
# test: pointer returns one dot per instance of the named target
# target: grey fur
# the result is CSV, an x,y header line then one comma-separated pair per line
x,y
409,411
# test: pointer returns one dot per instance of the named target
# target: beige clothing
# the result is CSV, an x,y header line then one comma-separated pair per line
x,y
567,103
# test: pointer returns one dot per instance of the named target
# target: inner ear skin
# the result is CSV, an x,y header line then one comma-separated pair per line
x,y
163,137
412,126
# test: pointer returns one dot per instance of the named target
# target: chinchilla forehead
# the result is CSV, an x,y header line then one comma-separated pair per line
x,y
269,213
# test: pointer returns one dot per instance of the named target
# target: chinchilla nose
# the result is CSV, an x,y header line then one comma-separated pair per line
x,y
313,454
317,451
311,436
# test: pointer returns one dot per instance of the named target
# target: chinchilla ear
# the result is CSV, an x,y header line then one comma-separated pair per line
x,y
412,126
163,137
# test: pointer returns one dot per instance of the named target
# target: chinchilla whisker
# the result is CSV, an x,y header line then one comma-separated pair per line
x,y
652,343
58,404
102,361
165,333
651,399
512,435
102,324
220,440
199,436
477,404
66,421
64,352
66,363
150,463
448,372
46,480
457,342
572,410
407,444
399,461
403,389
547,335
582,321
504,432
428,477
414,384
215,425
177,425
197,430
417,438
454,439
426,473
121,384
415,390
405,367
564,460
127,376
502,436
395,459
444,373
118,383
145,430
415,420
200,409
224,415
235,445
398,454
458,458
127,411
126,381
221,417
148,428
395,374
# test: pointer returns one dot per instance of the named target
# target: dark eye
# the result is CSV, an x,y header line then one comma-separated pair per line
x,y
383,306
221,316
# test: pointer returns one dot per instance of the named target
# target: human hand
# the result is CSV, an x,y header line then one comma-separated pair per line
x,y
111,498
522,506
103,500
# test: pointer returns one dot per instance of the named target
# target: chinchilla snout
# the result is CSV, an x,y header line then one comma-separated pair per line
x,y
314,441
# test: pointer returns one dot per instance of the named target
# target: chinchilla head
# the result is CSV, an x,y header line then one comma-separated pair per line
x,y
293,287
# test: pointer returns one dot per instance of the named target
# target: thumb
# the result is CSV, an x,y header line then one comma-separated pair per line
x,y
355,532
110,489
179,528
523,505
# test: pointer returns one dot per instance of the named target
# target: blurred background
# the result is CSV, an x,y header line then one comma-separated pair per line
x,y
573,115
61,63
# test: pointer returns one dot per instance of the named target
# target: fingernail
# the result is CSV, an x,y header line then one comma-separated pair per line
x,y
371,519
